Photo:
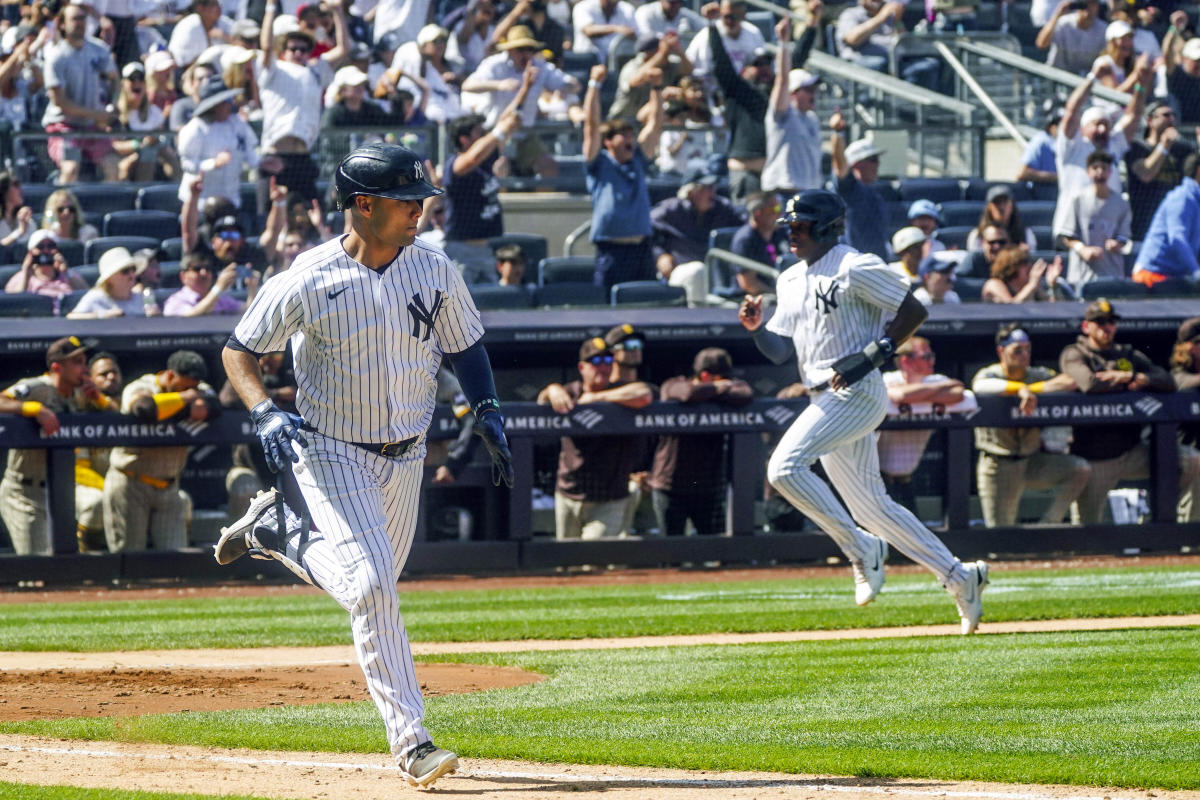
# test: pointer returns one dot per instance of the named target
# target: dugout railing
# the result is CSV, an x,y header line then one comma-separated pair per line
x,y
528,424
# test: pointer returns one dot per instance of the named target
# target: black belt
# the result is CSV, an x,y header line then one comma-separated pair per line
x,y
31,482
1007,458
387,449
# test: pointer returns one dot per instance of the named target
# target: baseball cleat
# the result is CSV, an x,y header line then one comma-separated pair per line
x,y
969,596
425,763
235,539
868,573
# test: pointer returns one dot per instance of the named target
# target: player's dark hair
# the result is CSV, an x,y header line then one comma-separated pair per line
x,y
188,364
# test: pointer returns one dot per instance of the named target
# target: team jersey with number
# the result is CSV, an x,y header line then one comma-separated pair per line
x,y
834,307
367,344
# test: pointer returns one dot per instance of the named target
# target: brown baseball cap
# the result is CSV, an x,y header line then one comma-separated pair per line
x,y
1189,330
620,333
592,347
1100,309
714,360
64,348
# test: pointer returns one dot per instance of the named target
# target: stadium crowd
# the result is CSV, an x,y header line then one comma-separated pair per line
x,y
210,99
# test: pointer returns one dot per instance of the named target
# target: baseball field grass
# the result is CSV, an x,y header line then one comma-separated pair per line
x,y
597,611
27,792
1112,708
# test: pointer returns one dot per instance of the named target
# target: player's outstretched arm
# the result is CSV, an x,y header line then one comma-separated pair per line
x,y
474,373
772,345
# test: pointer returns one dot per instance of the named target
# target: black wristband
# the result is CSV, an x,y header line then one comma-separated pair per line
x,y
486,404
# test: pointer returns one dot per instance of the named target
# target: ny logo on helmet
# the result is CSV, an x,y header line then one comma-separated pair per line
x,y
418,173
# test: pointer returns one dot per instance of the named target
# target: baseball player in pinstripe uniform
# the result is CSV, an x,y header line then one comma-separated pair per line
x,y
369,316
833,312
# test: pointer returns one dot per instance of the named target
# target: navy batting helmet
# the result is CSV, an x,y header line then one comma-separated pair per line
x,y
824,209
382,170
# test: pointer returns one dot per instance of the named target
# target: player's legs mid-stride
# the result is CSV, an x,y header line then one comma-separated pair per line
x,y
836,428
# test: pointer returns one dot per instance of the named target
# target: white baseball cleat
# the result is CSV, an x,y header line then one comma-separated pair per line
x,y
969,595
868,573
236,539
425,763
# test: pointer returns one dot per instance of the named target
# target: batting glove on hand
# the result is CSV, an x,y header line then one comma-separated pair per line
x,y
490,427
857,366
276,431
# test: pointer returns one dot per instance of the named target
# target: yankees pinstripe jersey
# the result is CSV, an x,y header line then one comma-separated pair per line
x,y
367,344
834,307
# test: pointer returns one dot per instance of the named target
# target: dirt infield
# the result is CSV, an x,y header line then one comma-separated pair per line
x,y
61,684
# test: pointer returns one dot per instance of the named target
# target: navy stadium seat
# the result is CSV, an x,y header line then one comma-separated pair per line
x,y
533,245
493,296
98,247
1173,287
69,301
26,304
570,269
87,272
173,248
169,274
1037,212
1111,287
961,212
969,289
161,197
939,190
1044,235
100,198
648,292
570,293
155,224
955,237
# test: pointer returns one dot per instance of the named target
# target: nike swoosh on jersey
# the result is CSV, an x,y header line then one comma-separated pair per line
x,y
335,293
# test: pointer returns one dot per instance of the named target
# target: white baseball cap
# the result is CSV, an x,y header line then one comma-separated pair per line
x,y
906,238
1093,114
1191,50
284,23
861,150
801,79
1116,29
431,33
39,236
350,76
235,54
160,60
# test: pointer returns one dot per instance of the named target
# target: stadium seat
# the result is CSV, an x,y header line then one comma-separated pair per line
x,y
493,296
161,294
173,248
6,273
155,224
169,272
649,293
1111,287
87,272
35,195
578,65
570,293
570,269
98,247
1047,255
248,190
939,190
955,237
961,213
1037,212
533,245
969,289
1044,235
721,237
161,197
1174,287
662,187
25,304
1045,191
72,250
887,190
69,301
720,275
100,198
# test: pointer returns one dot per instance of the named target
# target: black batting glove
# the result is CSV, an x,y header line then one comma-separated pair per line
x,y
857,366
490,427
276,431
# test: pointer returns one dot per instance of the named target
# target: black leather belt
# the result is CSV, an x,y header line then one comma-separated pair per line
x,y
387,449
1006,458
31,482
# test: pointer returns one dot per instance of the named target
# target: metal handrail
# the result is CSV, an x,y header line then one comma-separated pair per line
x,y
573,236
827,64
965,76
720,254
1037,68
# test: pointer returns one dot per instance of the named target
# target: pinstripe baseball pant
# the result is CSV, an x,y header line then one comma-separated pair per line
x,y
364,511
836,428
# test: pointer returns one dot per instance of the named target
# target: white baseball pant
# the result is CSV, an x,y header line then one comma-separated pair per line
x,y
364,512
836,428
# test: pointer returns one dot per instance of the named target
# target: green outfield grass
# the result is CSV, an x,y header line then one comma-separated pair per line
x,y
28,792
1102,708
569,612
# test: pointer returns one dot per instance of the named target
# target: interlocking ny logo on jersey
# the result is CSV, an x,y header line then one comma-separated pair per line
x,y
827,300
424,316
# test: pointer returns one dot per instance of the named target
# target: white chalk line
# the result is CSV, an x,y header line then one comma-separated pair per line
x,y
570,777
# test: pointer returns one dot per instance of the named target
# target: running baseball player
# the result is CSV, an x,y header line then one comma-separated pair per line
x,y
832,315
369,316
